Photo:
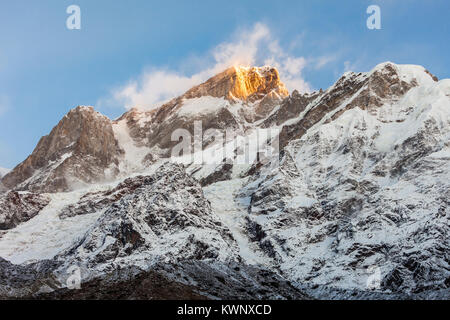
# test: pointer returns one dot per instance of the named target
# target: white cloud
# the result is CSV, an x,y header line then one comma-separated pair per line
x,y
324,60
249,47
350,66
153,88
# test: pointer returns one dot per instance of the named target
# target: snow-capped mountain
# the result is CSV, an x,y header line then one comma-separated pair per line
x,y
355,205
366,185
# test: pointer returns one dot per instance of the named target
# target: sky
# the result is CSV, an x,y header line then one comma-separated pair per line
x,y
139,53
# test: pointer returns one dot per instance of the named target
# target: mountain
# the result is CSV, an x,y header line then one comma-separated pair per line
x,y
362,183
87,147
355,205
81,149
241,84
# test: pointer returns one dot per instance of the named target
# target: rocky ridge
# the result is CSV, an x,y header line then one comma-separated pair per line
x,y
81,149
360,193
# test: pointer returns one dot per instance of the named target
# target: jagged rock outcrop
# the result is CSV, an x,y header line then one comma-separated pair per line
x,y
363,90
161,233
241,84
18,207
81,149
86,147
165,217
92,202
365,193
20,281
290,108
226,101
221,173
188,280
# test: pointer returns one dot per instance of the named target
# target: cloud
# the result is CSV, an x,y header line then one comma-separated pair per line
x,y
324,60
249,47
154,87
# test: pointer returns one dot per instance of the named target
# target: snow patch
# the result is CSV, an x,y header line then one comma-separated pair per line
x,y
202,105
4,171
46,234
134,154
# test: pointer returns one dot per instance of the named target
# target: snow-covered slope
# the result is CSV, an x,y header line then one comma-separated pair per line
x,y
367,191
159,225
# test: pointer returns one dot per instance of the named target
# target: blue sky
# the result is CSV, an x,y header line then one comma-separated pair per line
x,y
129,51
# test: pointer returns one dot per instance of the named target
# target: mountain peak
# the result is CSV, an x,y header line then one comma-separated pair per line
x,y
405,72
78,150
247,84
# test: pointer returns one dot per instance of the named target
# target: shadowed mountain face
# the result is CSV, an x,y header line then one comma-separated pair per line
x,y
355,205
80,149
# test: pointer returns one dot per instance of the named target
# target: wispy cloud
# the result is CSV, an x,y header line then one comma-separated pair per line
x,y
256,46
322,61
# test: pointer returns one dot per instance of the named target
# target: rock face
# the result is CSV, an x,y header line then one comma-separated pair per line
x,y
16,208
365,193
193,280
230,100
241,83
167,216
290,108
366,91
84,148
354,206
164,231
92,202
79,150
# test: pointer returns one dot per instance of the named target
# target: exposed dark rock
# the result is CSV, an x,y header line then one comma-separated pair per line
x,y
17,207
222,173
